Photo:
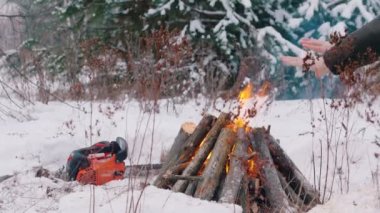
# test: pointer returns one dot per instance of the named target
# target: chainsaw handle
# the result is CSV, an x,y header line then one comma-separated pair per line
x,y
123,153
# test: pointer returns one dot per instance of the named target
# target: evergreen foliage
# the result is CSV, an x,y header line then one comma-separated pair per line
x,y
222,32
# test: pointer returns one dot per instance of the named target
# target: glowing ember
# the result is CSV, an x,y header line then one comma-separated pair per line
x,y
239,122
251,164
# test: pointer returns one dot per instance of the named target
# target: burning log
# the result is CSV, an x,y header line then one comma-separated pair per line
x,y
185,151
203,152
211,175
224,162
292,174
236,171
271,182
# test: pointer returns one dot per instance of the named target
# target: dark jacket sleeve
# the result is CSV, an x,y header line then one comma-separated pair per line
x,y
357,49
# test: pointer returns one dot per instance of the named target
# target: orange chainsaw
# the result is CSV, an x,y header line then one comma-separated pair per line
x,y
99,163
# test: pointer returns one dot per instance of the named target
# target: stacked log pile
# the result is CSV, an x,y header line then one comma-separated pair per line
x,y
222,161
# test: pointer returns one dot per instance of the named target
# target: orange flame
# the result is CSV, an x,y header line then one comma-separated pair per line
x,y
246,93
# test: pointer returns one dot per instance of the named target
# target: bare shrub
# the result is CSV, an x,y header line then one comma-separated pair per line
x,y
332,157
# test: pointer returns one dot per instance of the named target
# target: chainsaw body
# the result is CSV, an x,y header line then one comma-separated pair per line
x,y
99,163
101,171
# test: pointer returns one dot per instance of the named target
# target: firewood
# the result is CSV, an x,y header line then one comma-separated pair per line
x,y
292,174
237,169
191,188
185,152
183,177
219,189
244,195
141,170
177,169
203,152
290,192
211,175
271,184
184,133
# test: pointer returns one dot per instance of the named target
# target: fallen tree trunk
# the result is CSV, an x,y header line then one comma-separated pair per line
x,y
200,157
211,175
236,169
292,174
185,152
271,184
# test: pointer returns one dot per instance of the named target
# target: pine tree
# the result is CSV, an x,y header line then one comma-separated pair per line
x,y
272,27
222,32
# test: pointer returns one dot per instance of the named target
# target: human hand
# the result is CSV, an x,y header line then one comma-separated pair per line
x,y
319,66
315,45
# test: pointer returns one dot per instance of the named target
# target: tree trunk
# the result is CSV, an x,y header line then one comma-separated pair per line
x,y
292,174
271,184
237,169
185,152
217,163
184,133
200,157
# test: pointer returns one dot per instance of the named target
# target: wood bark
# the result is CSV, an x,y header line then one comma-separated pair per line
x,y
237,169
292,174
141,170
201,155
185,152
271,184
244,195
183,134
211,175
182,177
290,192
191,188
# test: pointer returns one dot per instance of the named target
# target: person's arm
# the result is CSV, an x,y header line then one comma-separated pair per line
x,y
353,51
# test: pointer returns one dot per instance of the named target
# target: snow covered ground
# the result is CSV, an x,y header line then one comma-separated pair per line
x,y
56,129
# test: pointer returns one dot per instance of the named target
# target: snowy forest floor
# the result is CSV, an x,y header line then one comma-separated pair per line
x,y
48,133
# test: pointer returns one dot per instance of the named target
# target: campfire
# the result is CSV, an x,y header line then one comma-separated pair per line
x,y
225,160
